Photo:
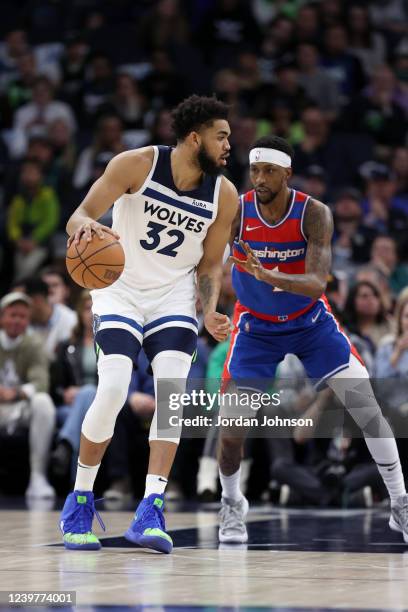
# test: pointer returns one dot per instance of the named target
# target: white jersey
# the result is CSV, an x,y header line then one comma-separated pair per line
x,y
162,229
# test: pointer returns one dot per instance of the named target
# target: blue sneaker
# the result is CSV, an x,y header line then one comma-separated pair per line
x,y
148,527
76,521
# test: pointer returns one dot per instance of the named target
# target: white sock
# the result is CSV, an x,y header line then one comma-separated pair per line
x,y
85,477
245,471
385,453
231,485
155,484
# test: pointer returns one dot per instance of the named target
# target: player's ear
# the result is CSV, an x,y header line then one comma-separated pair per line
x,y
195,139
289,173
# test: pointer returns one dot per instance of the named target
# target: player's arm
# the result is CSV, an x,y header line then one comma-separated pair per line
x,y
318,228
125,171
209,270
235,225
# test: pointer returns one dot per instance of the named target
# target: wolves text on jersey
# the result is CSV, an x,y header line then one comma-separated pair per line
x,y
173,217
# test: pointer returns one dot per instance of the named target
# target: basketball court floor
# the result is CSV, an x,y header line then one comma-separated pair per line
x,y
296,560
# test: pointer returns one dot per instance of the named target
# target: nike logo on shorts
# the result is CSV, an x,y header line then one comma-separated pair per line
x,y
314,319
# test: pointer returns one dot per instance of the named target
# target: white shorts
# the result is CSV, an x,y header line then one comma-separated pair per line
x,y
161,320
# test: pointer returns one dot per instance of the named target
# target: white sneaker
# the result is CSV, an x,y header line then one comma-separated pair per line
x,y
39,487
399,516
232,520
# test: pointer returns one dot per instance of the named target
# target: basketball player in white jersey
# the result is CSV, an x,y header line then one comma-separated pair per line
x,y
173,212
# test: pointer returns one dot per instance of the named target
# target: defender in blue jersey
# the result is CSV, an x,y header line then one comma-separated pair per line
x,y
282,256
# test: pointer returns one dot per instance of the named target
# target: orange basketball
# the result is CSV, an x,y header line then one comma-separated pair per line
x,y
95,264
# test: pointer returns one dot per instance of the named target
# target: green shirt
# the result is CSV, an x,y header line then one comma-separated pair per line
x,y
41,213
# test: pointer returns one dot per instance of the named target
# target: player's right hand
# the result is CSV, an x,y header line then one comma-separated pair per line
x,y
218,325
89,228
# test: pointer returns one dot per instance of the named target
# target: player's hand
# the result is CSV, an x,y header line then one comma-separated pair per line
x,y
251,264
88,229
218,325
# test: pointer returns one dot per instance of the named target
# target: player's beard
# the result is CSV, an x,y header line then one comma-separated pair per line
x,y
206,163
270,198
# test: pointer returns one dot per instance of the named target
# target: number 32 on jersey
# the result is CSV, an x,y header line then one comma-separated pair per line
x,y
155,235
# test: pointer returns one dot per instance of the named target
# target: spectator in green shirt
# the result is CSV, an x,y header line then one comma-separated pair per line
x,y
32,219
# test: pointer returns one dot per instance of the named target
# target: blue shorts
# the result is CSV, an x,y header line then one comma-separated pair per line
x,y
258,346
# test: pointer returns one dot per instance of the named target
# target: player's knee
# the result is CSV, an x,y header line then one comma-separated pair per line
x,y
112,393
171,364
378,427
114,379
362,405
99,423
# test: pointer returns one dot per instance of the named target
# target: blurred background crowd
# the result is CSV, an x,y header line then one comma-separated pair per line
x,y
85,80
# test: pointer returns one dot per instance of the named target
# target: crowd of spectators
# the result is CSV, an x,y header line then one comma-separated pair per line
x,y
85,80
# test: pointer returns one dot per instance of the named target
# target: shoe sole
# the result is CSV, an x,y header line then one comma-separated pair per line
x,y
153,542
395,527
93,546
233,539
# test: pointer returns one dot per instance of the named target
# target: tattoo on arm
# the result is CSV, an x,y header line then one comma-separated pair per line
x,y
206,290
318,227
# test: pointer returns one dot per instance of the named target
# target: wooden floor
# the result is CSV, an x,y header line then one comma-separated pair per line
x,y
295,560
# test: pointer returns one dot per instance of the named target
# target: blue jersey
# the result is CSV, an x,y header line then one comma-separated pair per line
x,y
281,247
270,323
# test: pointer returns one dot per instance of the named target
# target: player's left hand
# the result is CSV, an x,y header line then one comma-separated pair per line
x,y
251,264
218,325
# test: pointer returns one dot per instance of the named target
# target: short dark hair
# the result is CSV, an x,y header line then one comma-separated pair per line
x,y
36,286
274,142
196,111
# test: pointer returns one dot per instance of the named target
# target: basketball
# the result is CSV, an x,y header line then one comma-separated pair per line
x,y
95,264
